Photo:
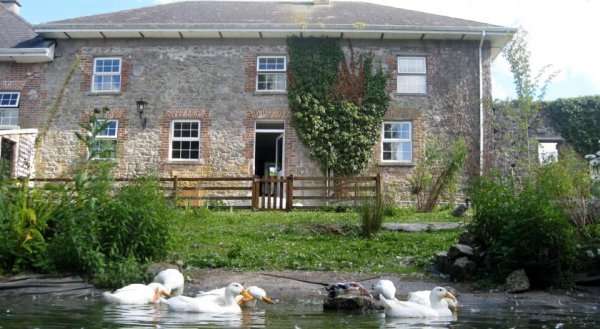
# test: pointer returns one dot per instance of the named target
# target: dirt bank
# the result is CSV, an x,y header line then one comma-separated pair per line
x,y
290,291
303,287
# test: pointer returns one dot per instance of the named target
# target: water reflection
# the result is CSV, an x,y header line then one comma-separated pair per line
x,y
399,323
159,315
27,312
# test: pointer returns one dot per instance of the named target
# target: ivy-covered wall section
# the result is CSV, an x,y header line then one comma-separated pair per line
x,y
577,120
338,103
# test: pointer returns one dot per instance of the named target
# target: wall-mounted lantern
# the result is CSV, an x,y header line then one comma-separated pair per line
x,y
141,106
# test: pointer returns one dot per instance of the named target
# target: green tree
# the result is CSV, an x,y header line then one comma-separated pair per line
x,y
530,88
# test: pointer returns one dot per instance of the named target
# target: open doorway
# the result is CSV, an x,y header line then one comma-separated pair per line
x,y
7,157
269,149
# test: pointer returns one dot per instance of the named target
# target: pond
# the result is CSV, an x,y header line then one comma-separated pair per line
x,y
34,312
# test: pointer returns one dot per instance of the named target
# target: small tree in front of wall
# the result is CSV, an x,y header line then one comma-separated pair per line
x,y
91,129
530,89
438,172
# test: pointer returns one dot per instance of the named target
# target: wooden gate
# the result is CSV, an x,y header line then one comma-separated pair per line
x,y
272,192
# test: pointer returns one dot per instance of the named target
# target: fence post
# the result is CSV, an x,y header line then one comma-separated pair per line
x,y
378,187
289,199
175,189
255,191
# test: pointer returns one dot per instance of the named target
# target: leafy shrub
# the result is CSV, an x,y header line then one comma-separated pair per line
x,y
371,216
437,173
102,232
136,222
523,226
24,217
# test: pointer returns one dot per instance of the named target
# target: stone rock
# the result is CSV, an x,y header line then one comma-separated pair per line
x,y
420,227
460,210
460,250
517,282
466,238
442,261
462,269
358,304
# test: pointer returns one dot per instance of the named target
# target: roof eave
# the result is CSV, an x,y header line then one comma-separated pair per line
x,y
27,55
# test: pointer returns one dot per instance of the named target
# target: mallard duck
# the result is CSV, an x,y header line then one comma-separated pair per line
x,y
137,294
395,308
172,279
210,303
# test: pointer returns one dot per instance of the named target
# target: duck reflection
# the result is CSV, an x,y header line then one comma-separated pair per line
x,y
404,323
154,315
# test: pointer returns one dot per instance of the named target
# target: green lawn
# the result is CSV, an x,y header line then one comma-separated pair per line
x,y
299,240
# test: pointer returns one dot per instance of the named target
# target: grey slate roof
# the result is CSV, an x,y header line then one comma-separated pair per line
x,y
268,15
15,32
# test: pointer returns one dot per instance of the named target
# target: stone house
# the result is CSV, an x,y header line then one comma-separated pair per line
x,y
199,88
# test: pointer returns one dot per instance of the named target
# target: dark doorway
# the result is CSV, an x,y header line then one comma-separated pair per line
x,y
7,157
268,154
269,149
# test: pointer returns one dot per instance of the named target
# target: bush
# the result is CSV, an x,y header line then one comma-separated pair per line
x,y
526,225
24,217
102,233
437,173
371,216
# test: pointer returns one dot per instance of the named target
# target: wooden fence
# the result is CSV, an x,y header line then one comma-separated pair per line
x,y
262,193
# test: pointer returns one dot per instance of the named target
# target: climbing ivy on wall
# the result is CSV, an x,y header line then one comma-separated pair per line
x,y
337,103
578,121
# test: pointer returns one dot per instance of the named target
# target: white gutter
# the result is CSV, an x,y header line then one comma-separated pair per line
x,y
27,55
481,110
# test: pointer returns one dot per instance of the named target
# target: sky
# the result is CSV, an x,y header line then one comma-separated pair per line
x,y
559,32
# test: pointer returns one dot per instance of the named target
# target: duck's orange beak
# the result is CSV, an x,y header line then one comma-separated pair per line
x,y
246,296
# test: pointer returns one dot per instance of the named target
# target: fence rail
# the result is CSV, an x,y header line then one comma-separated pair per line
x,y
261,193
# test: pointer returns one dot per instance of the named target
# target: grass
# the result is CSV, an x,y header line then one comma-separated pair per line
x,y
299,240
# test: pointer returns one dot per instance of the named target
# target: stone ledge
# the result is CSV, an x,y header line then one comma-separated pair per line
x,y
420,227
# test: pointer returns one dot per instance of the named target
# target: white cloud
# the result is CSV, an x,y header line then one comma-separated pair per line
x,y
560,32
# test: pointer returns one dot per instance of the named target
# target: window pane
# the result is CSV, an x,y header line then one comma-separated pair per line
x,y
397,151
9,118
412,84
105,149
272,81
110,130
411,65
9,99
399,130
271,63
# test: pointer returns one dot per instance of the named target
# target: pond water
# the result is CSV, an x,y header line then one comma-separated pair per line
x,y
32,312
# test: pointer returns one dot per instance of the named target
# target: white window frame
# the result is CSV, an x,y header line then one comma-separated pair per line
x,y
410,74
94,74
9,110
259,71
172,139
11,93
397,140
109,137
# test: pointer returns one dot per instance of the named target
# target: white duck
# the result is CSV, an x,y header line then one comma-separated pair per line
x,y
395,309
137,294
248,299
172,279
388,290
211,303
257,294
